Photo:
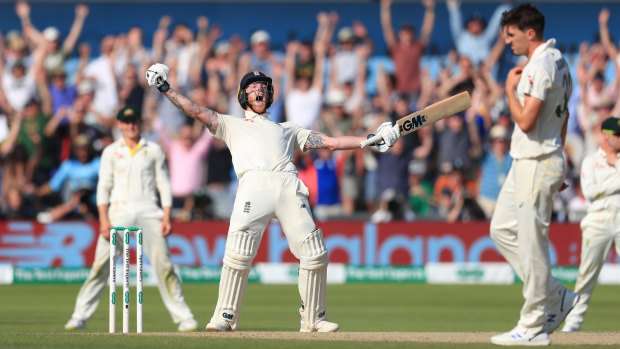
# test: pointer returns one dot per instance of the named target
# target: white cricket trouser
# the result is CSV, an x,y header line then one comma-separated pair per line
x,y
600,230
261,196
147,216
520,230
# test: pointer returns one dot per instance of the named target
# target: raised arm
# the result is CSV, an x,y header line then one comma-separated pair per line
x,y
157,75
608,45
386,24
81,11
205,115
428,22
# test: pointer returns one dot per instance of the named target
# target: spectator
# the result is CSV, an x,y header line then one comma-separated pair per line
x,y
405,50
328,198
75,180
475,40
304,93
186,154
421,200
50,37
455,146
15,206
20,82
106,94
220,184
261,57
493,170
392,185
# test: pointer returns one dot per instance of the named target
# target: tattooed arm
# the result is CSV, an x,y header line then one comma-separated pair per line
x,y
318,140
205,115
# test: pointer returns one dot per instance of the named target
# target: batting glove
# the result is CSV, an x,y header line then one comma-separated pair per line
x,y
389,134
157,75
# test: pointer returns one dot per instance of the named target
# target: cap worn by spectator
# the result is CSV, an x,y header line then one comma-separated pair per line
x,y
128,113
611,125
335,97
498,132
57,72
259,36
81,140
222,47
19,63
16,43
345,34
84,87
51,34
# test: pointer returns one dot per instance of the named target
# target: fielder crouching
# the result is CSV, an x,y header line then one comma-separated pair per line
x,y
262,155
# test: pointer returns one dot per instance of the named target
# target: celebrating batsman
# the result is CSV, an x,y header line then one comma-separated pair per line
x,y
262,154
537,96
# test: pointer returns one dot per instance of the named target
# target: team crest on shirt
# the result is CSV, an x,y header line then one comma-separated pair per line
x,y
529,78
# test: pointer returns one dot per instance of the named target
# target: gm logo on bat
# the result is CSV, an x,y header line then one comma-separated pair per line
x,y
413,123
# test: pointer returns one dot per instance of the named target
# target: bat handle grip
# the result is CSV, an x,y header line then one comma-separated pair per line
x,y
370,141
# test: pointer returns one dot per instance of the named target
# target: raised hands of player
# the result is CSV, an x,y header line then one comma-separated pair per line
x,y
157,75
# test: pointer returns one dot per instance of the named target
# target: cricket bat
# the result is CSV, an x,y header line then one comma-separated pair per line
x,y
427,116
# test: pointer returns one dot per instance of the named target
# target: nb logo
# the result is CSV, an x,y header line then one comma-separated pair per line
x,y
551,318
227,316
321,314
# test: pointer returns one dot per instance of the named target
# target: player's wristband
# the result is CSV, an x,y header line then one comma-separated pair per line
x,y
164,87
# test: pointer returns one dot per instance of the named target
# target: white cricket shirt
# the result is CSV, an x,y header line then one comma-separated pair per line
x,y
124,177
545,77
600,182
259,144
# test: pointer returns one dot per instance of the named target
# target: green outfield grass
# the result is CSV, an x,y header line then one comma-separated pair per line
x,y
34,315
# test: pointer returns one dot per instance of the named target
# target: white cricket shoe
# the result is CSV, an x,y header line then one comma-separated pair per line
x,y
75,324
188,325
559,311
571,328
219,327
516,337
321,326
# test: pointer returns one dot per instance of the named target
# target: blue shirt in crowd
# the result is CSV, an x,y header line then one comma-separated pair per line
x,y
493,174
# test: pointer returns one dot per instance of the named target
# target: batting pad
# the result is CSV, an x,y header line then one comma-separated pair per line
x,y
313,279
241,247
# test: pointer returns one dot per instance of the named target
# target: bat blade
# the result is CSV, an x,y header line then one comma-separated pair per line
x,y
433,113
427,116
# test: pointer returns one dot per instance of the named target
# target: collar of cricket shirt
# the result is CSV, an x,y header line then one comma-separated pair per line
x,y
252,115
140,145
548,44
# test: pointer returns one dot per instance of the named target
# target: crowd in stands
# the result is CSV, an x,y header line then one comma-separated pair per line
x,y
58,105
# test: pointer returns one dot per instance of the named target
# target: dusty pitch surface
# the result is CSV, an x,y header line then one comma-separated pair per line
x,y
575,338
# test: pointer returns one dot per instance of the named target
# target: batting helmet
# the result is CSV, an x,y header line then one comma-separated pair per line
x,y
247,80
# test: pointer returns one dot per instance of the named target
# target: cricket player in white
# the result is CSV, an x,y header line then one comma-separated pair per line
x,y
262,154
537,96
131,169
600,184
